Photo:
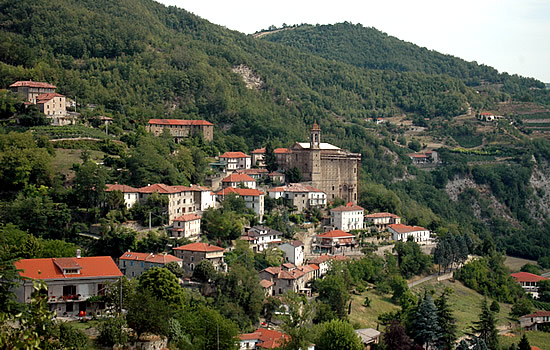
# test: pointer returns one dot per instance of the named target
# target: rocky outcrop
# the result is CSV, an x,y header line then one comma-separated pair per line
x,y
539,205
251,79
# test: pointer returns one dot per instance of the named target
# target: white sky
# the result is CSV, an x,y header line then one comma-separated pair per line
x,y
510,35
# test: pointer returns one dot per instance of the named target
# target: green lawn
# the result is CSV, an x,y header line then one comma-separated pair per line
x,y
465,302
65,158
539,339
368,317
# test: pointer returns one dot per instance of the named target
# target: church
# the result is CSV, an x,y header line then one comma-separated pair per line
x,y
326,167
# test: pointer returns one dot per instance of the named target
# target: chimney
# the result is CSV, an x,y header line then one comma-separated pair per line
x,y
78,254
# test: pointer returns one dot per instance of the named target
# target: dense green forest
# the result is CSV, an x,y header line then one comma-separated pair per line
x,y
137,59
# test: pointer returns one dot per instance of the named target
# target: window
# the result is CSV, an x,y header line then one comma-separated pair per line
x,y
69,290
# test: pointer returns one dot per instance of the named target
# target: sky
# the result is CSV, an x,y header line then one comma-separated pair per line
x,y
510,35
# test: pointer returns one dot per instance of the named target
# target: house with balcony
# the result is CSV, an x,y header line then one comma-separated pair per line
x,y
186,226
285,278
236,160
534,321
300,196
238,180
382,220
71,282
334,241
529,282
347,217
255,173
260,238
324,263
193,253
133,264
402,233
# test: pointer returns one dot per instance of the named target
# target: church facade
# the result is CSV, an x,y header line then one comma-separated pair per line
x,y
326,167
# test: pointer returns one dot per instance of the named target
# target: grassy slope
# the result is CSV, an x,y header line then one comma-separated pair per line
x,y
65,158
539,339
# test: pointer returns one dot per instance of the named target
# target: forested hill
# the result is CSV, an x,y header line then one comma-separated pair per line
x,y
140,59
368,47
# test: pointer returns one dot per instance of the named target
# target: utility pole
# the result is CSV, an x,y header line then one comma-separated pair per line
x,y
120,295
149,221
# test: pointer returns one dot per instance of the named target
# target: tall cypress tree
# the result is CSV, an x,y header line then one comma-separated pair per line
x,y
270,159
425,327
524,343
447,322
486,326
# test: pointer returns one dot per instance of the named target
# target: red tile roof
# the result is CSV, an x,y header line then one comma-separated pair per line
x,y
121,188
266,283
325,257
179,122
414,155
381,215
253,171
50,268
281,150
34,84
348,207
163,189
295,187
200,247
259,151
234,155
336,234
400,228
527,277
250,336
187,217
239,192
283,274
149,257
46,97
538,314
238,178
269,339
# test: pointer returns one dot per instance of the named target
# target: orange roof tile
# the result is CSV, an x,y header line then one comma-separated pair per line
x,y
179,122
234,155
187,217
50,268
336,234
348,207
253,171
381,215
281,150
200,247
527,277
400,228
46,97
266,283
121,188
259,151
35,84
238,178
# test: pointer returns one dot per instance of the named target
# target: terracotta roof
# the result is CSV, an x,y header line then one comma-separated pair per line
x,y
486,113
187,217
250,336
284,274
289,265
275,173
238,178
239,192
295,243
348,207
307,268
178,122
325,257
46,97
281,150
269,339
527,277
50,268
538,314
535,348
200,247
335,234
121,188
149,257
400,228
266,283
415,155
234,155
381,215
163,189
34,84
259,151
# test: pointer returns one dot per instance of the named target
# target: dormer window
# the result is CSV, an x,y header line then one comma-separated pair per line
x,y
70,271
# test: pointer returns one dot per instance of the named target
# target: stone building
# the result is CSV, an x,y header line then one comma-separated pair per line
x,y
180,128
324,166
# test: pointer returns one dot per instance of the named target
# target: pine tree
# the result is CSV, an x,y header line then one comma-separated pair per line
x,y
524,343
447,322
486,327
270,159
395,337
425,327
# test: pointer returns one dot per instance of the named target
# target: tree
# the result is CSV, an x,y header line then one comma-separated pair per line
x,y
534,269
446,320
425,328
270,158
396,338
474,343
338,335
333,292
112,331
524,343
148,314
486,327
204,271
271,305
297,321
522,306
89,184
208,329
163,285
175,268
495,307
293,175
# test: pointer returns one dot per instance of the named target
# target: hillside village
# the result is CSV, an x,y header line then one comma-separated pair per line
x,y
316,183
168,183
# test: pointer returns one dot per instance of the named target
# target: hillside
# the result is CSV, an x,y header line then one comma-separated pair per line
x,y
137,59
